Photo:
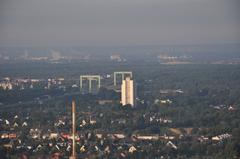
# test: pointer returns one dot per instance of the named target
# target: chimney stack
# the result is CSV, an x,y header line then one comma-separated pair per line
x,y
74,156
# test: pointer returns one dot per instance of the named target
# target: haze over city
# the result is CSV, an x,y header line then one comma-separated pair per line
x,y
118,23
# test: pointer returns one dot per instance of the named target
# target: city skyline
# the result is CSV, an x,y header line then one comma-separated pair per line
x,y
119,79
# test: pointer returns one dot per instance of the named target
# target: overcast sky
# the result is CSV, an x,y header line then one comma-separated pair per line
x,y
118,22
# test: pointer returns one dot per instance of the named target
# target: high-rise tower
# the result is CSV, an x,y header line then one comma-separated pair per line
x,y
128,92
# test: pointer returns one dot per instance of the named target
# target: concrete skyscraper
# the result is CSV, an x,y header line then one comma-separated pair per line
x,y
128,92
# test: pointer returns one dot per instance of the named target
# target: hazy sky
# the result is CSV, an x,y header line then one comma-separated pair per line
x,y
118,22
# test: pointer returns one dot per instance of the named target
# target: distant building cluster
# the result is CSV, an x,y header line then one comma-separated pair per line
x,y
127,85
87,84
10,84
6,85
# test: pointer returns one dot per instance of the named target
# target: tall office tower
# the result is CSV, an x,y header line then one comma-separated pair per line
x,y
128,92
74,156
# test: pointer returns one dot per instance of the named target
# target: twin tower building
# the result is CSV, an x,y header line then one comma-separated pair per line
x,y
128,89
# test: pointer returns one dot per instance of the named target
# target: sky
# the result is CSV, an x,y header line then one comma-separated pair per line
x,y
118,22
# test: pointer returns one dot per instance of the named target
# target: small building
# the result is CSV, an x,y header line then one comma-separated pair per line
x,y
132,149
221,137
53,135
